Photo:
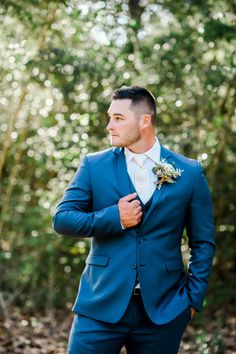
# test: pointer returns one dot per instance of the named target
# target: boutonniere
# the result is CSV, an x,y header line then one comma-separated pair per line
x,y
166,172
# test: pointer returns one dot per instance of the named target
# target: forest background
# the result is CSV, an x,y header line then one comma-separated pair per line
x,y
59,63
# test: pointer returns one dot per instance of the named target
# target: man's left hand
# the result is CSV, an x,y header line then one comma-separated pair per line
x,y
193,312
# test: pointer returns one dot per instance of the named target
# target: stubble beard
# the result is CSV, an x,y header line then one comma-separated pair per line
x,y
127,141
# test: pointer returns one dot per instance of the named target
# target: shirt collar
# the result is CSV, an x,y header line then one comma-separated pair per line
x,y
153,153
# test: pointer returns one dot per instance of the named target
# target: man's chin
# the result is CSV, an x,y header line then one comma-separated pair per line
x,y
116,143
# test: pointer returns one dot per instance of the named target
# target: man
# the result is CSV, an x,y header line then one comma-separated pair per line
x,y
134,201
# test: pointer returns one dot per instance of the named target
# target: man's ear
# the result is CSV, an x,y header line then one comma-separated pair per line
x,y
145,121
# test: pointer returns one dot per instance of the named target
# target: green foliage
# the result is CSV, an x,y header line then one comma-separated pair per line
x,y
60,61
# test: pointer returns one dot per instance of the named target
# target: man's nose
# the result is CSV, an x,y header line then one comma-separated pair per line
x,y
110,125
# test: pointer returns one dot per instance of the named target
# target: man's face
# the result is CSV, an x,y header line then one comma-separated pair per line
x,y
123,126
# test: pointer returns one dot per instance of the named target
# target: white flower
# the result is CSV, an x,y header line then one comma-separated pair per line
x,y
166,172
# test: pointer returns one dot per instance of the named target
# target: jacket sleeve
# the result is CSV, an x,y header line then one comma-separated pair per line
x,y
200,232
74,216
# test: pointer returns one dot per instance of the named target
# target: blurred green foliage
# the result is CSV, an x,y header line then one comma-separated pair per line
x,y
60,61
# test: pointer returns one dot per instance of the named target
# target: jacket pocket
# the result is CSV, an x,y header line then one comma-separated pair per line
x,y
176,198
174,265
97,260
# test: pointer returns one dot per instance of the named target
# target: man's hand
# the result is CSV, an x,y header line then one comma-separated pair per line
x,y
130,210
193,312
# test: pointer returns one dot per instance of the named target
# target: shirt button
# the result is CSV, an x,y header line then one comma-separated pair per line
x,y
133,266
140,239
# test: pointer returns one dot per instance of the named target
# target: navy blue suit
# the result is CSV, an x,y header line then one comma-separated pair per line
x,y
151,250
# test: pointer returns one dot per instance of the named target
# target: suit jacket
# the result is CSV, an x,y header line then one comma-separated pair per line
x,y
89,208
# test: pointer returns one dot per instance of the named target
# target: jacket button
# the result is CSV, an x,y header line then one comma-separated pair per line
x,y
133,266
140,239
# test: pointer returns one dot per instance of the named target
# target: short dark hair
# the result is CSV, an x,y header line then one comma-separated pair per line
x,y
139,96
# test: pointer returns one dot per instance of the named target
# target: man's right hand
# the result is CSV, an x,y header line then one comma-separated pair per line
x,y
130,210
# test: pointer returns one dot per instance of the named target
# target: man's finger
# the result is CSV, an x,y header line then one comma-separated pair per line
x,y
129,197
135,203
138,211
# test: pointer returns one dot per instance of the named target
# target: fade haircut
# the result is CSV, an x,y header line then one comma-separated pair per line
x,y
142,101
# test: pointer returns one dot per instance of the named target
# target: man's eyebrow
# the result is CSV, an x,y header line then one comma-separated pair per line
x,y
116,114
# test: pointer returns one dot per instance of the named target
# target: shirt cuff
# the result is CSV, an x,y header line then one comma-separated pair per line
x,y
123,228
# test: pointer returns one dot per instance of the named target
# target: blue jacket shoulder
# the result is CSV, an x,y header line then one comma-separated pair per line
x,y
100,155
183,161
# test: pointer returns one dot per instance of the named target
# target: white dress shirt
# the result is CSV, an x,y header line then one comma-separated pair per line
x,y
152,158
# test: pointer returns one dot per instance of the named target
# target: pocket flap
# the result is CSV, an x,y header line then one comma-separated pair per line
x,y
97,260
174,265
175,198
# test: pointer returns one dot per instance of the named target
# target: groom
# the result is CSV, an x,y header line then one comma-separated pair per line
x,y
134,202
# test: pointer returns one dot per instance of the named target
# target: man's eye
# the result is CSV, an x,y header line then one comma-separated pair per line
x,y
114,118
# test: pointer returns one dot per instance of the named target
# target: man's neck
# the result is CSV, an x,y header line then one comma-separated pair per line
x,y
142,146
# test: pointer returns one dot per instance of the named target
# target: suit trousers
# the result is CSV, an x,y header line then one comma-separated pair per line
x,y
134,330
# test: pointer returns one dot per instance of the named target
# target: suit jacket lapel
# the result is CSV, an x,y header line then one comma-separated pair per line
x,y
123,179
125,184
165,154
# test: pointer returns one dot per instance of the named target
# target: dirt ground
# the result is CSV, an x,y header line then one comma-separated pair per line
x,y
25,334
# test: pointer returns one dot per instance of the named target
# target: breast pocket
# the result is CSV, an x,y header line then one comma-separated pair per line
x,y
176,198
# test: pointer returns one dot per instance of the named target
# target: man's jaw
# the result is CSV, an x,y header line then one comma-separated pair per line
x,y
114,141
